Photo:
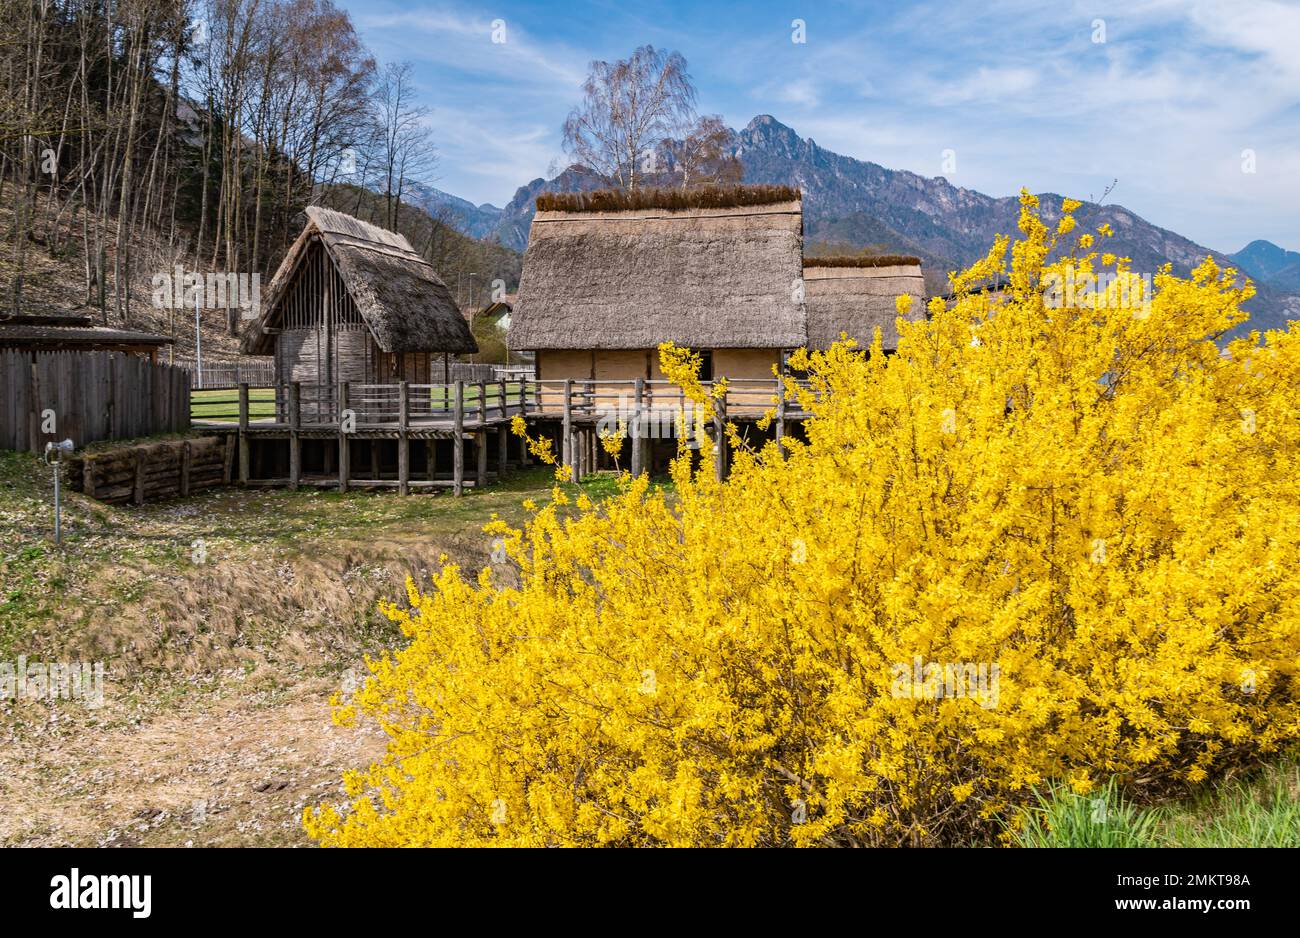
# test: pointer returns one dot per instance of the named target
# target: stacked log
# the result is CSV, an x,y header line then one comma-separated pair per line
x,y
151,471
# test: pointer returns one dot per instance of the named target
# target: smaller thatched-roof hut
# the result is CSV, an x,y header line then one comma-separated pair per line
x,y
354,302
855,295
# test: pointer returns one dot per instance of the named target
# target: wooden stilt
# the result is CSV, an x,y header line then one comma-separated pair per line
x,y
403,441
503,450
780,417
345,447
458,440
243,434
634,430
480,453
295,440
566,431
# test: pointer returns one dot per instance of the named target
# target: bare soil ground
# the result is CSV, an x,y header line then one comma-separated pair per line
x,y
225,622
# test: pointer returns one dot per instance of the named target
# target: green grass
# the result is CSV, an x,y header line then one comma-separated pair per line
x,y
1098,819
1260,809
223,404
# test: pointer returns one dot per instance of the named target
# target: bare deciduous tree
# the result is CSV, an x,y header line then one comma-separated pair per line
x,y
701,156
629,108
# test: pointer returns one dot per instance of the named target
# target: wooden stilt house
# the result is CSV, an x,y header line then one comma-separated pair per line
x,y
610,275
352,302
857,295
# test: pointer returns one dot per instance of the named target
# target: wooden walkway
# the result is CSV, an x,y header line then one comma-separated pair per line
x,y
353,421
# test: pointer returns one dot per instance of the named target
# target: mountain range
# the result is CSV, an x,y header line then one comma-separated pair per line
x,y
853,204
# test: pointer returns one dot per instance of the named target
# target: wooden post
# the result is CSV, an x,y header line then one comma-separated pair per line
x,y
228,463
243,434
345,445
141,468
503,450
638,456
501,386
780,416
34,410
482,403
458,439
295,441
187,463
403,441
480,452
566,442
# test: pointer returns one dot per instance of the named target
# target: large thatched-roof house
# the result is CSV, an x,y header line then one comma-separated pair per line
x,y
855,295
608,276
354,302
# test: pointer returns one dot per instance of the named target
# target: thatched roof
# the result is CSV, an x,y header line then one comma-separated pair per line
x,y
399,295
856,295
17,334
673,200
722,276
863,260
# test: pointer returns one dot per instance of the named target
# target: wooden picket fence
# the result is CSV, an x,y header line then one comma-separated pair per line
x,y
86,397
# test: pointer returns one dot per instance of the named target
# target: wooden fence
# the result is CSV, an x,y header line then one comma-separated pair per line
x,y
87,396
259,372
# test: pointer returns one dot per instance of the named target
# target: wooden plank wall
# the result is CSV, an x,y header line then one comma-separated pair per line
x,y
152,471
93,395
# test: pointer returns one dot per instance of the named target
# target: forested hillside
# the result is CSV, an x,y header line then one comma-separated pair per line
x,y
138,135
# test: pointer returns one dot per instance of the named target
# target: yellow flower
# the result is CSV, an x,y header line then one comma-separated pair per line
x,y
830,645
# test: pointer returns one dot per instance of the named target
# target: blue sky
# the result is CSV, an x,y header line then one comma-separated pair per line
x,y
1019,90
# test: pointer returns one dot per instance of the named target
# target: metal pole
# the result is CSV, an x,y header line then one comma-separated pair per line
x,y
58,508
198,341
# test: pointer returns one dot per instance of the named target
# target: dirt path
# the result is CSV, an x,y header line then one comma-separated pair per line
x,y
230,769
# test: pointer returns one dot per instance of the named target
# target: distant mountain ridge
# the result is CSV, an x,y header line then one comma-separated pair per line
x,y
1267,262
855,203
477,221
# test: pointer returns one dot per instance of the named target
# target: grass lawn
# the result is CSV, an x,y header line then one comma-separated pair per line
x,y
224,404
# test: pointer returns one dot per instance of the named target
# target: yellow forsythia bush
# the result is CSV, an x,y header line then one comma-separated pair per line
x,y
1055,537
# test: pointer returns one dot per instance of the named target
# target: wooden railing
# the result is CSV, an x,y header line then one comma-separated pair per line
x,y
610,402
638,409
